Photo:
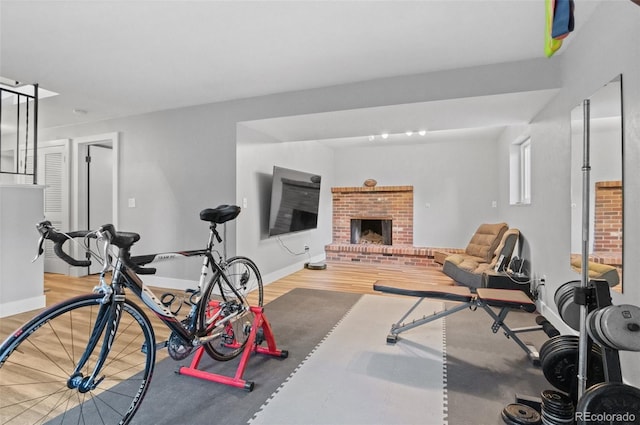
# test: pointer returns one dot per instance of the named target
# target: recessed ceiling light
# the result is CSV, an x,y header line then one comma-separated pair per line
x,y
371,138
422,132
409,133
384,135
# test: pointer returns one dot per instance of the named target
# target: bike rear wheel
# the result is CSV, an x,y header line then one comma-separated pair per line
x,y
245,277
37,364
228,311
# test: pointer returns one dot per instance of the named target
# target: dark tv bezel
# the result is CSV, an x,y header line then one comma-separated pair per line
x,y
275,188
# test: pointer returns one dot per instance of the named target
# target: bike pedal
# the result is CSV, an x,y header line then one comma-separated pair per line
x,y
159,346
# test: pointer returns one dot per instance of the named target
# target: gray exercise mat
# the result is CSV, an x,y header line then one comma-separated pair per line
x,y
487,370
355,377
300,319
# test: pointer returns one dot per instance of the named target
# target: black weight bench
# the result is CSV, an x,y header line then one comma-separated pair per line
x,y
486,298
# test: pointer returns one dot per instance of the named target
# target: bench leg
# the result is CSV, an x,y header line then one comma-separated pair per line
x,y
498,323
400,327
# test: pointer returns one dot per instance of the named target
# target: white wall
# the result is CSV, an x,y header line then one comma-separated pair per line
x,y
257,154
21,280
459,197
177,162
454,184
174,163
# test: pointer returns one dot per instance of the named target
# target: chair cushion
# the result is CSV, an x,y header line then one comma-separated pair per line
x,y
459,259
506,246
598,271
485,241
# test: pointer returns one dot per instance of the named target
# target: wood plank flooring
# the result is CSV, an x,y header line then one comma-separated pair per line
x,y
343,277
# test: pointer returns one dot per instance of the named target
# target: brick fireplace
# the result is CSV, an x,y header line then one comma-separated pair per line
x,y
392,207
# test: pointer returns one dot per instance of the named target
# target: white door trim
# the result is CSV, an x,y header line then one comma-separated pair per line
x,y
80,142
79,145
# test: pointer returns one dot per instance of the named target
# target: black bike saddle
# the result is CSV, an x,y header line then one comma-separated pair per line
x,y
220,214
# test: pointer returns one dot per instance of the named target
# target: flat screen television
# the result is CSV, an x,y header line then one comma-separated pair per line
x,y
295,198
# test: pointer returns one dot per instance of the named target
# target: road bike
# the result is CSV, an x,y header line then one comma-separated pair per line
x,y
90,359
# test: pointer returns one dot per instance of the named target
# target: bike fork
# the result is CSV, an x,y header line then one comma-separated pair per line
x,y
104,329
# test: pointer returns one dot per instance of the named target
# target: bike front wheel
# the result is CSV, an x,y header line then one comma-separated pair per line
x,y
38,362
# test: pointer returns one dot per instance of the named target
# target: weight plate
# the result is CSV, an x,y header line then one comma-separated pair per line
x,y
559,346
620,325
570,313
593,325
557,402
546,346
557,416
563,289
598,321
559,365
552,343
562,296
568,310
520,414
592,329
608,403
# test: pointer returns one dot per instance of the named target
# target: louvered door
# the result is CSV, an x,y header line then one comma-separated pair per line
x,y
53,172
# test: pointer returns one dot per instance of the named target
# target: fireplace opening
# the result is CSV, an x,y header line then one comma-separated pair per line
x,y
371,231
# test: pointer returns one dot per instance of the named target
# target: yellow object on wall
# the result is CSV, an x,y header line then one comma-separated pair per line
x,y
551,45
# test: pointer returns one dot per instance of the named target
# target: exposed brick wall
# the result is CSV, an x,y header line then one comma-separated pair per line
x,y
608,217
382,254
388,202
395,202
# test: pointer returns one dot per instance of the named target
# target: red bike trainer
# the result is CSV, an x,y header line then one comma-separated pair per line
x,y
260,322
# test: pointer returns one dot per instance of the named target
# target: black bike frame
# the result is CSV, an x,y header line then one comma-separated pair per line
x,y
124,276
108,316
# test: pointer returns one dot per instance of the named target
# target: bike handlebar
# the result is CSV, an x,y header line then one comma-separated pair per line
x,y
123,240
47,231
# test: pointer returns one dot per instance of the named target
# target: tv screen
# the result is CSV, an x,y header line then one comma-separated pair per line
x,y
295,196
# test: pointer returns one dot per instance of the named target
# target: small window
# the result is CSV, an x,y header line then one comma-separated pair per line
x,y
520,172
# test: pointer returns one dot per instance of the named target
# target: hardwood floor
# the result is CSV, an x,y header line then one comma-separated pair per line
x,y
357,278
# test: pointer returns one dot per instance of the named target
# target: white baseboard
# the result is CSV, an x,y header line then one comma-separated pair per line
x,y
555,320
15,307
279,274
182,284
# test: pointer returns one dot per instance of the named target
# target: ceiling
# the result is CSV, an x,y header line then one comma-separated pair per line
x,y
120,58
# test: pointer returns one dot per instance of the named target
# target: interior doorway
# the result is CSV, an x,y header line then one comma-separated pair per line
x,y
96,185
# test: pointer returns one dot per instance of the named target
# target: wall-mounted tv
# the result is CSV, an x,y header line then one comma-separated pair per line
x,y
295,197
